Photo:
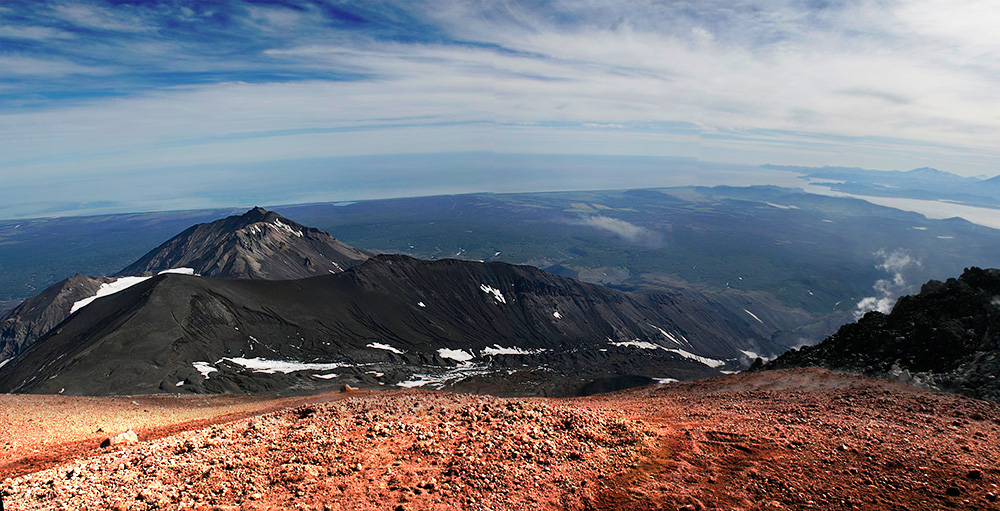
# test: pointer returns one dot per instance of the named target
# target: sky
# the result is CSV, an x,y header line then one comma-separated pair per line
x,y
115,106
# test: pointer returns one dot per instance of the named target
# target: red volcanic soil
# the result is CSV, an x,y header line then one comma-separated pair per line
x,y
793,439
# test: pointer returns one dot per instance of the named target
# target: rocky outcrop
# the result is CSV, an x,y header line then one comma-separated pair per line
x,y
947,338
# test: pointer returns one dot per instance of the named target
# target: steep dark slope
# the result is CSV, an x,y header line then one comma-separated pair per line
x,y
259,244
392,320
947,337
36,315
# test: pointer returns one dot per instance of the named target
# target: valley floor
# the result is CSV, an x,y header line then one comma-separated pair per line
x,y
791,439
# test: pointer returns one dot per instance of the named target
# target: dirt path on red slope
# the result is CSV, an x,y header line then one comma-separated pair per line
x,y
794,439
38,431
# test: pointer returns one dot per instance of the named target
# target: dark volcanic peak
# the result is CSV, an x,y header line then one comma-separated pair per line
x,y
258,244
38,314
947,337
394,320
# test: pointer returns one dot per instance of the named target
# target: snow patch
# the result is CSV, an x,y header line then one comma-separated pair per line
x,y
326,376
263,365
557,315
754,316
386,347
496,293
5,362
106,289
661,381
179,271
204,368
287,228
459,355
919,228
421,305
710,362
636,343
438,380
500,350
180,383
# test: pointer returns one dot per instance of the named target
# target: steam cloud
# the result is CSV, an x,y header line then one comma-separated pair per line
x,y
623,229
887,290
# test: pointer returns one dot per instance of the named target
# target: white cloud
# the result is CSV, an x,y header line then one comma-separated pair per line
x,y
889,289
623,229
36,33
897,85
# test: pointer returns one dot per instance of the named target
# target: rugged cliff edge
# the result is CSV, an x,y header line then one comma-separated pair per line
x,y
947,337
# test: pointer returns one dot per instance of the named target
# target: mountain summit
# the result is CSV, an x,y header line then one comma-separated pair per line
x,y
258,244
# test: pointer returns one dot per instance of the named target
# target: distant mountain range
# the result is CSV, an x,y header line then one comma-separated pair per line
x,y
259,244
393,320
947,337
922,183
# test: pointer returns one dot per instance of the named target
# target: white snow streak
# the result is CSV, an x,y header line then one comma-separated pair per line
x,y
287,228
463,371
326,376
496,293
180,271
500,350
5,362
263,365
421,304
557,315
668,335
754,316
386,347
636,343
710,362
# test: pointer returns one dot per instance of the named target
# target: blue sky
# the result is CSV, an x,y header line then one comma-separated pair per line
x,y
108,106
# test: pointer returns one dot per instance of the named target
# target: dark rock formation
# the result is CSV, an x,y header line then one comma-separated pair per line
x,y
947,337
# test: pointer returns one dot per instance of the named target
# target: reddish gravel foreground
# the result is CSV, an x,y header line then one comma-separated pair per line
x,y
793,439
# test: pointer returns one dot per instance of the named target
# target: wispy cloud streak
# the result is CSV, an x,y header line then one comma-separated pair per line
x,y
101,87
